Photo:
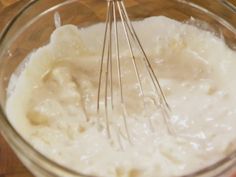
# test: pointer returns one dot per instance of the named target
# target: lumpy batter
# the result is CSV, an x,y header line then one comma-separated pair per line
x,y
52,102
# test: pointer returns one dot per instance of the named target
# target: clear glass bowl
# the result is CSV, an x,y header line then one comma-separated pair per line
x,y
33,24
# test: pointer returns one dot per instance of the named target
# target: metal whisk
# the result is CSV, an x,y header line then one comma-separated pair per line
x,y
117,10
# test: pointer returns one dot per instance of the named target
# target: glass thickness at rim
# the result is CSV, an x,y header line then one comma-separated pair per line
x,y
27,151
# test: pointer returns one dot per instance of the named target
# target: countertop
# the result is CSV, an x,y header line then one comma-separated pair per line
x,y
10,166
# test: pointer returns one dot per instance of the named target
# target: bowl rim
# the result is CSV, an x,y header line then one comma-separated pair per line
x,y
17,142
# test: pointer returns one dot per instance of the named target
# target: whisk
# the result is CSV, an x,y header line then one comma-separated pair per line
x,y
116,13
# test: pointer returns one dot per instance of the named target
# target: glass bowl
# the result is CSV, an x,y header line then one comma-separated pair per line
x,y
33,25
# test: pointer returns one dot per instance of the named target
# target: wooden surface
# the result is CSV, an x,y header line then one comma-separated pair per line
x,y
10,166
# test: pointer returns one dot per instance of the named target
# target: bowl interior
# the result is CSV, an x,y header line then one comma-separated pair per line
x,y
33,27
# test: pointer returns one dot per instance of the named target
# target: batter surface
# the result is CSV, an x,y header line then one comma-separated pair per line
x,y
52,102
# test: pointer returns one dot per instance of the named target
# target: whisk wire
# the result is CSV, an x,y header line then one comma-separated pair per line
x,y
118,54
110,53
124,112
165,108
102,61
115,7
147,62
130,49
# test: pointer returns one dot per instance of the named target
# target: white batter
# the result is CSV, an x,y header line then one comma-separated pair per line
x,y
54,95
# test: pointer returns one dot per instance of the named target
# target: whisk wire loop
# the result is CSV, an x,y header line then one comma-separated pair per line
x,y
117,8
